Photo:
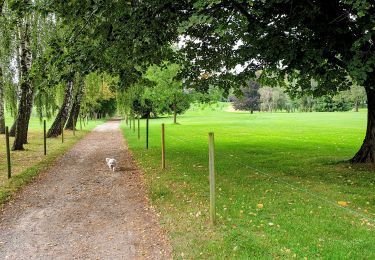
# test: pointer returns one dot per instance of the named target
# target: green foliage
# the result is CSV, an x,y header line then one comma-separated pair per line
x,y
167,93
273,99
306,103
323,41
110,36
356,95
330,104
159,93
250,98
10,97
99,94
210,97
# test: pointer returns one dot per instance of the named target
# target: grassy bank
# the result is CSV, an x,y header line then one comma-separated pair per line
x,y
27,164
283,190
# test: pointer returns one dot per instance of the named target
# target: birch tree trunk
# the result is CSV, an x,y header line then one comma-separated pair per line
x,y
62,116
12,131
76,107
27,91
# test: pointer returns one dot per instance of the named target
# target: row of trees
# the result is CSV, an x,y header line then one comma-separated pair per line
x,y
326,42
35,75
255,98
160,92
164,95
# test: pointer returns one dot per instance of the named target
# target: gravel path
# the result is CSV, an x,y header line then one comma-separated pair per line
x,y
79,209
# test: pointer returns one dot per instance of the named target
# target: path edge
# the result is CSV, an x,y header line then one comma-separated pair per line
x,y
146,198
23,179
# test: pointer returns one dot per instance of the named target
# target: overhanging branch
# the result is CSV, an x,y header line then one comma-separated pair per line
x,y
241,7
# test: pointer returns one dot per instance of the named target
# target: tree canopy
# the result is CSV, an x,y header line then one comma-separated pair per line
x,y
308,47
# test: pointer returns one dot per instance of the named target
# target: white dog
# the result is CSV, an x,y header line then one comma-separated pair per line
x,y
112,163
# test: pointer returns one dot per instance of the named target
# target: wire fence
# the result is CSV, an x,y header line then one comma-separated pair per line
x,y
287,183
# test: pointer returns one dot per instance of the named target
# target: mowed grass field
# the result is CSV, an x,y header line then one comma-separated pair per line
x,y
27,164
283,187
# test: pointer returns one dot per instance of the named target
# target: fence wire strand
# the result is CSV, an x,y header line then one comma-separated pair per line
x,y
310,193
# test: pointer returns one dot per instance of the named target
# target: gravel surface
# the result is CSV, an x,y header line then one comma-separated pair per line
x,y
79,209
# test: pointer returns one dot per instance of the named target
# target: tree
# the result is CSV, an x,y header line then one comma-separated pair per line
x,y
305,40
332,104
306,103
167,93
357,95
300,40
62,116
278,99
98,93
76,106
250,98
27,90
24,33
266,98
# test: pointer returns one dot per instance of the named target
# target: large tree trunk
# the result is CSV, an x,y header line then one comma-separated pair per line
x,y
76,107
62,116
27,92
2,113
12,131
366,153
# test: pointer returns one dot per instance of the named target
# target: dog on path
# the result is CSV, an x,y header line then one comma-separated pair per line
x,y
112,163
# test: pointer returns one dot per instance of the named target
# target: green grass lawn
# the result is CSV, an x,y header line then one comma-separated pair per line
x,y
291,163
27,164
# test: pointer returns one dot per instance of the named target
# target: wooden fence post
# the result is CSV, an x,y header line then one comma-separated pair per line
x,y
147,131
162,146
8,151
139,128
211,155
45,137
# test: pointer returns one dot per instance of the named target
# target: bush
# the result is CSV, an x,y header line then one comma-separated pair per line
x,y
250,98
329,104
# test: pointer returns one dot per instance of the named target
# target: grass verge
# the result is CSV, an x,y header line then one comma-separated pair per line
x,y
283,190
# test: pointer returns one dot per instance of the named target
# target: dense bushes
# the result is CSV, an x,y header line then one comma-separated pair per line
x,y
253,97
330,104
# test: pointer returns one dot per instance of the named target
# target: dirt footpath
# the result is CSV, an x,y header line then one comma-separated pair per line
x,y
79,209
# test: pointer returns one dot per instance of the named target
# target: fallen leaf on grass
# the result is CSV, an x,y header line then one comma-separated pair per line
x,y
259,206
342,203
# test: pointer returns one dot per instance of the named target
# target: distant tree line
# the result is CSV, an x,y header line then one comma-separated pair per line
x,y
253,97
